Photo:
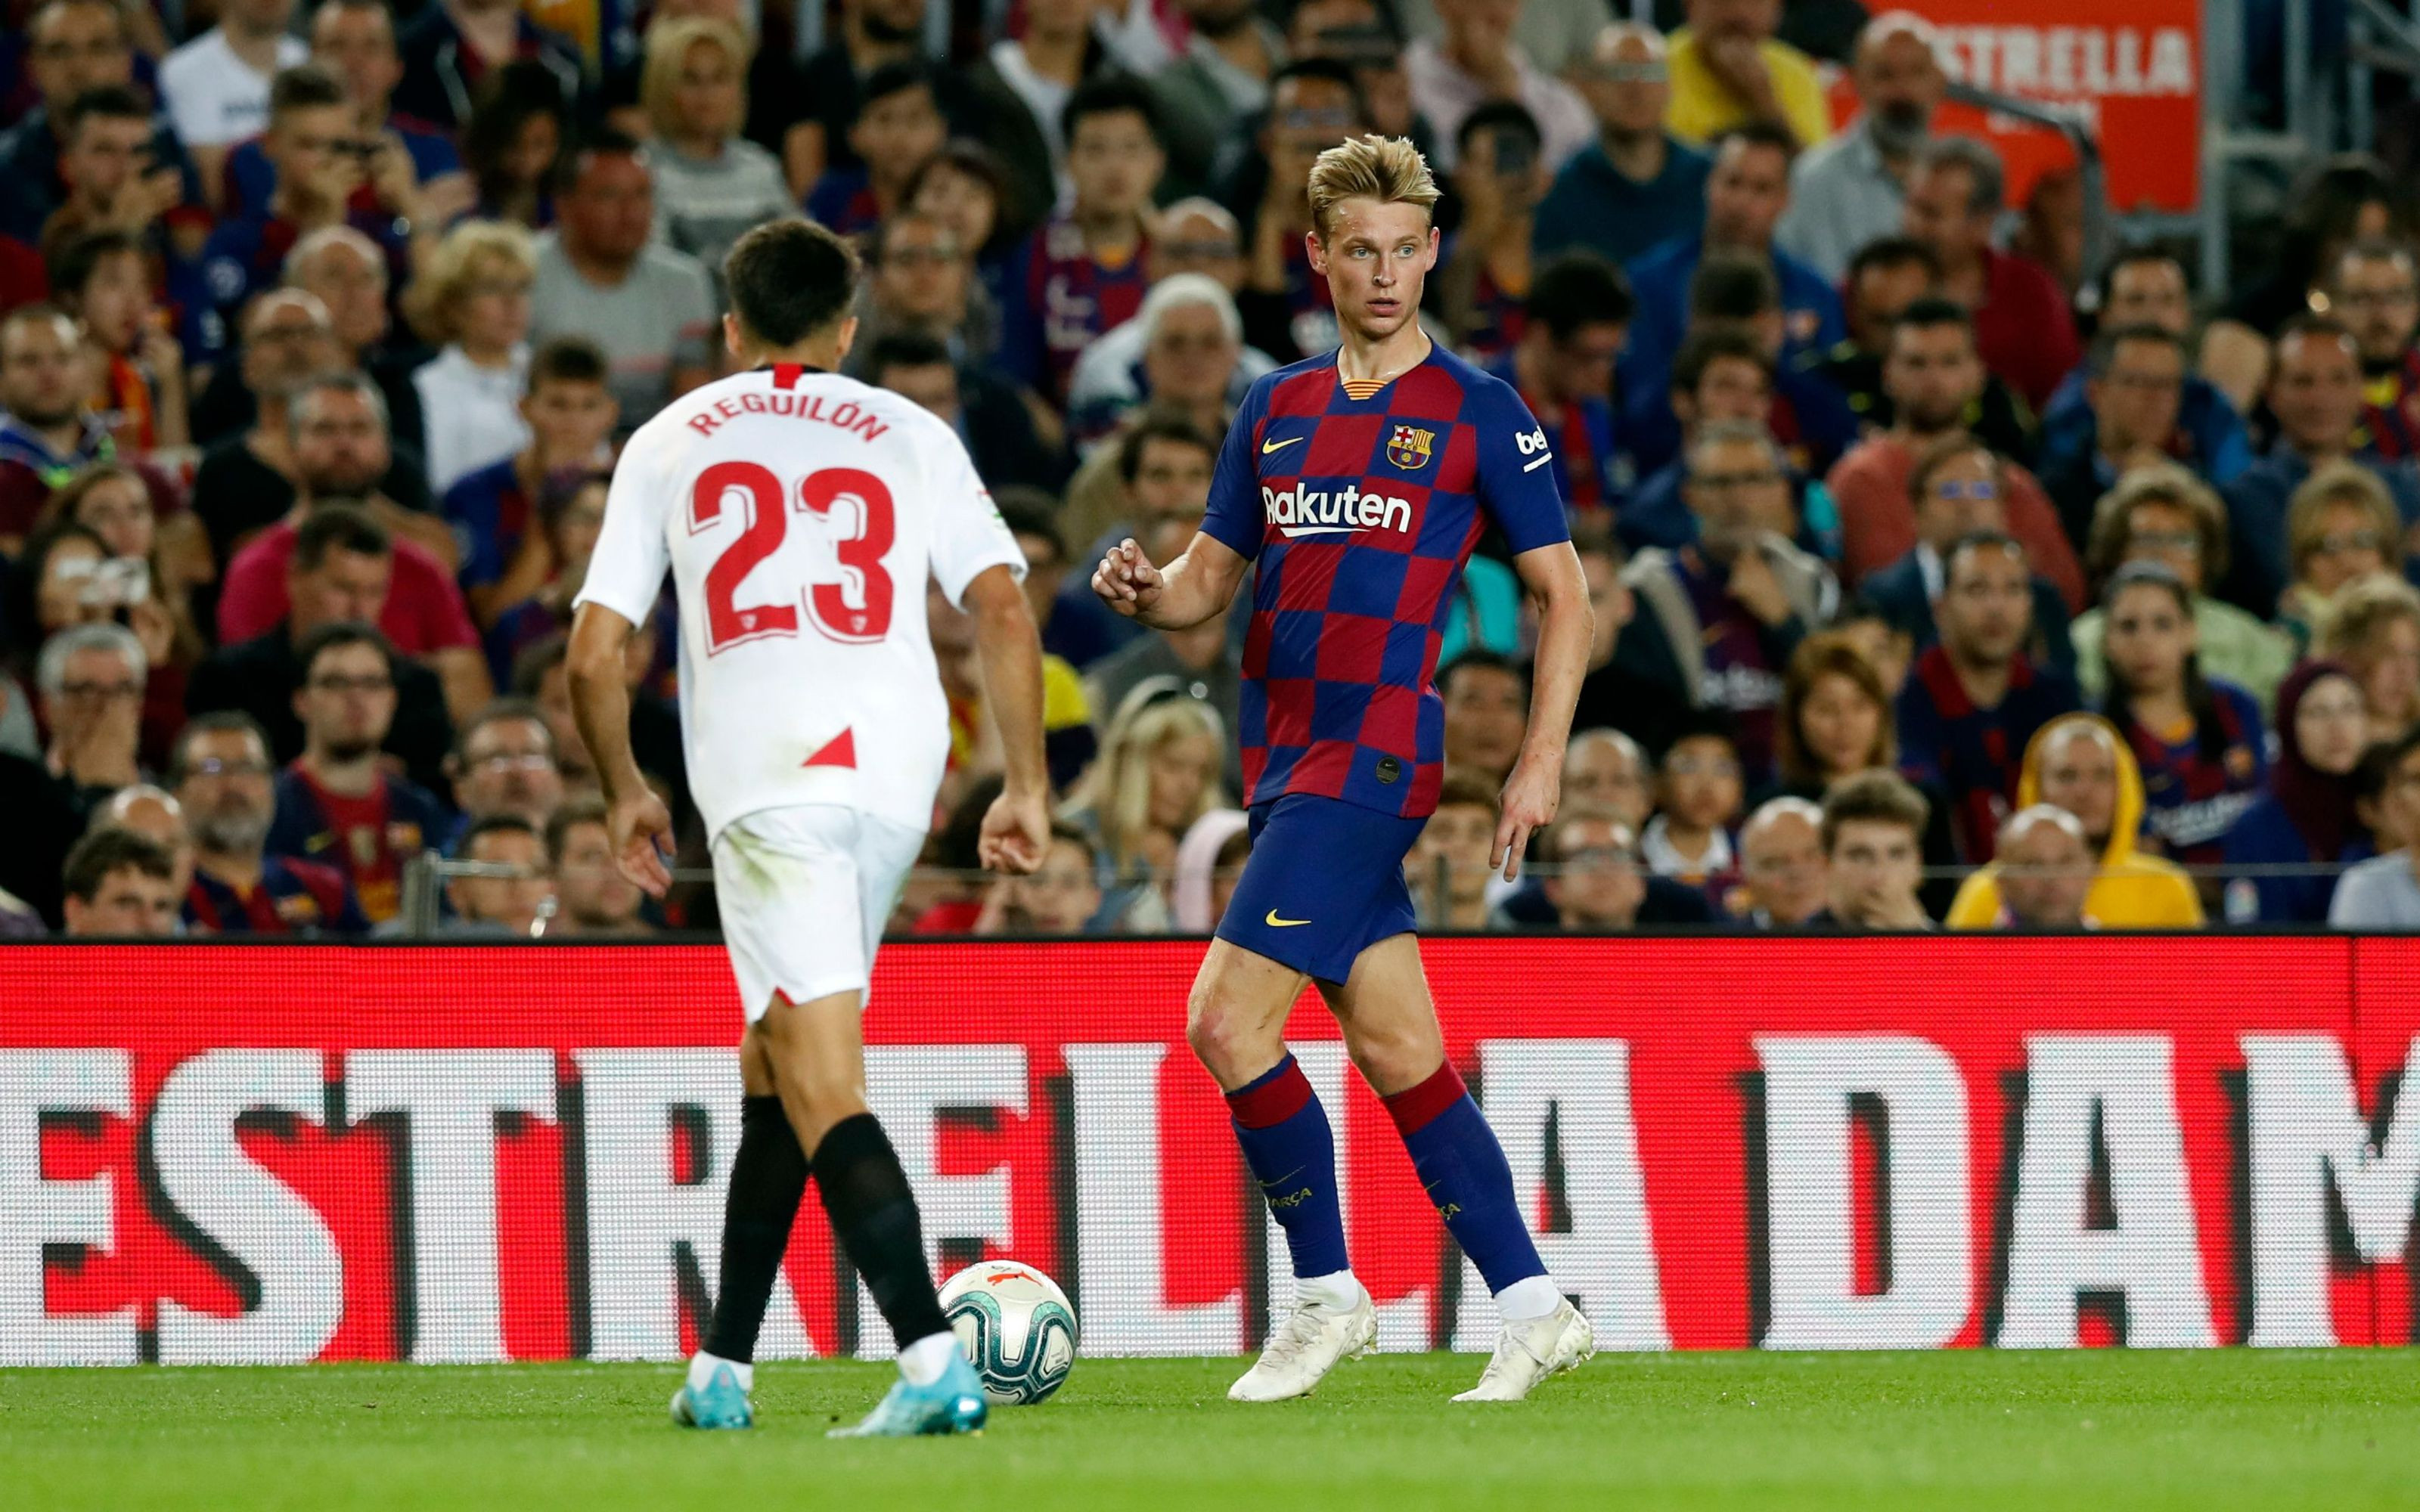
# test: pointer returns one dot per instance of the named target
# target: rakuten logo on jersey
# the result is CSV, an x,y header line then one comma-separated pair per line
x,y
1318,512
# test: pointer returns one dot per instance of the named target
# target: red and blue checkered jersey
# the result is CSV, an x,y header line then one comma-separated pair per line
x,y
1360,514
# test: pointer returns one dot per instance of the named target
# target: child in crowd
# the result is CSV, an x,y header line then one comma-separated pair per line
x,y
1083,273
1697,801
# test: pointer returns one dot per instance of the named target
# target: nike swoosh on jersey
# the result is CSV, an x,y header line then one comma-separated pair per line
x,y
1273,921
1267,447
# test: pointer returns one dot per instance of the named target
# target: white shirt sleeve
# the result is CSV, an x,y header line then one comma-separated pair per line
x,y
969,536
626,570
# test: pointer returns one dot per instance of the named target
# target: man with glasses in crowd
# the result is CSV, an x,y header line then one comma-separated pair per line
x,y
2374,289
336,804
220,772
506,764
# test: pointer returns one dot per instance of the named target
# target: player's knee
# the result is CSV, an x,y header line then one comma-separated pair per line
x,y
1393,1059
1221,1041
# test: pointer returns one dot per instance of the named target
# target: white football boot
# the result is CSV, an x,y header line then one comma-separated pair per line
x,y
1305,1348
1527,1353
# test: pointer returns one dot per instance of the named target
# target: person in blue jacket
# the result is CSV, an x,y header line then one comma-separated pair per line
x,y
2307,815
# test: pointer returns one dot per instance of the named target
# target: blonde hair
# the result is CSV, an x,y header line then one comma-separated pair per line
x,y
2362,610
667,47
2162,483
1117,789
2338,482
433,303
1387,169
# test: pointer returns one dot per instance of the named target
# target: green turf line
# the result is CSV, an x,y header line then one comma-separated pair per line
x,y
1969,1430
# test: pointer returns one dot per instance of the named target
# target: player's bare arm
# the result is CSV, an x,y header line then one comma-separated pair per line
x,y
1558,592
640,825
1182,595
1016,829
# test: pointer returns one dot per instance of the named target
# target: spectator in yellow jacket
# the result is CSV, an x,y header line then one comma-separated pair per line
x,y
2079,764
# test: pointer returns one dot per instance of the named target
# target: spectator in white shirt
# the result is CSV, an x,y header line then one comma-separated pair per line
x,y
1475,61
474,299
216,86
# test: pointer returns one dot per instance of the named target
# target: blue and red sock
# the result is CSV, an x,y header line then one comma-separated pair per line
x,y
1457,1159
1291,1152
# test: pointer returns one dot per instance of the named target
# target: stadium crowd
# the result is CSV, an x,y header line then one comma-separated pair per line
x,y
1937,576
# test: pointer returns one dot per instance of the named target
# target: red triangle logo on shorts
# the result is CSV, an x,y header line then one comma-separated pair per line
x,y
840,751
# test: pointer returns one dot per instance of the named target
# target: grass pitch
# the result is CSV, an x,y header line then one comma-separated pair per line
x,y
1968,1430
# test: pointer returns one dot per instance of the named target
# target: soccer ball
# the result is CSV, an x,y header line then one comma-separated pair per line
x,y
1016,1326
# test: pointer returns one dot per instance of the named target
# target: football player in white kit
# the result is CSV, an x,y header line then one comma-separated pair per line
x,y
800,513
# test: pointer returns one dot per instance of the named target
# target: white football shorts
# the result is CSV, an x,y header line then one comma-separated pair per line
x,y
804,892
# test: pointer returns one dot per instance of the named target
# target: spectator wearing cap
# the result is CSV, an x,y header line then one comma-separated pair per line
x,y
501,556
2148,287
220,775
1473,61
1747,193
1636,184
2315,396
1935,379
898,125
2078,764
592,897
1578,313
1958,486
2308,816
711,183
1719,617
511,889
218,87
1730,71
1784,883
340,566
451,46
2134,390
1082,273
1872,834
2023,328
2045,870
340,450
2163,514
1851,190
601,274
118,884
335,805
1971,702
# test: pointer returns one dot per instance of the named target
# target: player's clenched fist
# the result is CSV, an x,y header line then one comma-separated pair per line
x,y
642,831
1127,578
1016,833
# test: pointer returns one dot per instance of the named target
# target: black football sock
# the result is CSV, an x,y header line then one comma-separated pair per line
x,y
768,1180
874,1216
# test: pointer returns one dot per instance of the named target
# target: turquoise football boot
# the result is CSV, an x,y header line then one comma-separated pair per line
x,y
721,1404
954,1404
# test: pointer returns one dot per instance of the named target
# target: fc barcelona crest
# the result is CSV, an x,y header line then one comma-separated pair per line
x,y
1409,447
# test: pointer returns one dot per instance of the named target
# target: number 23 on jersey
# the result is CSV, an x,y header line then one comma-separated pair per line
x,y
856,506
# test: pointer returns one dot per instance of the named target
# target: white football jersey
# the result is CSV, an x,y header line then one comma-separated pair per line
x,y
800,513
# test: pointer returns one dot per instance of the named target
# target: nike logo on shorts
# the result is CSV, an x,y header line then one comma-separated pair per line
x,y
1273,921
